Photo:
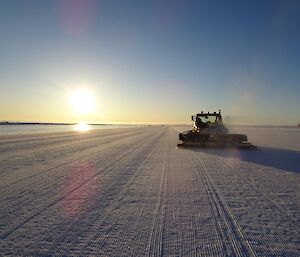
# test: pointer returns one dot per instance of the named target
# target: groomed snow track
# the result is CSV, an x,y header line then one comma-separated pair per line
x,y
131,192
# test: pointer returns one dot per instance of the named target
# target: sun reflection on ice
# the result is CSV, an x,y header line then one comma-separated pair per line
x,y
82,127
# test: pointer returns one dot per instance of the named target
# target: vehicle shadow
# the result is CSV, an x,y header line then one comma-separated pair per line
x,y
287,160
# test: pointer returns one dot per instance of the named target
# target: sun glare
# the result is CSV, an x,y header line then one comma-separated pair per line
x,y
82,101
82,127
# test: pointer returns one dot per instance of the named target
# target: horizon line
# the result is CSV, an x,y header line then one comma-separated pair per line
x,y
133,123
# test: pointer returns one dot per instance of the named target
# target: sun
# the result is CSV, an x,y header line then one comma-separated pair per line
x,y
82,101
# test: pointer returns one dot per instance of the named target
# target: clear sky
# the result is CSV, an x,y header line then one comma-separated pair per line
x,y
153,61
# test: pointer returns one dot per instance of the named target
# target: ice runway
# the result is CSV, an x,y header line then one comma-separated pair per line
x,y
131,192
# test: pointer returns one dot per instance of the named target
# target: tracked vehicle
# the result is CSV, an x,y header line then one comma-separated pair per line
x,y
209,131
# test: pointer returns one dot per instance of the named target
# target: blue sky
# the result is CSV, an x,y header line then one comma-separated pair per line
x,y
156,61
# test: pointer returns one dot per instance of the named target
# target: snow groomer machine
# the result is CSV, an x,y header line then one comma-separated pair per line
x,y
209,132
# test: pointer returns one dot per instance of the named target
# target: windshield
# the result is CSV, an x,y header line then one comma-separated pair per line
x,y
207,119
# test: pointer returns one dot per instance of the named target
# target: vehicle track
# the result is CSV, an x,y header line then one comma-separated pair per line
x,y
227,223
251,194
140,224
38,140
259,191
192,228
155,245
6,234
76,229
37,157
82,140
43,187
76,150
274,225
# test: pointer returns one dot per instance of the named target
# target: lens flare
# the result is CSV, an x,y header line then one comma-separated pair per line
x,y
79,200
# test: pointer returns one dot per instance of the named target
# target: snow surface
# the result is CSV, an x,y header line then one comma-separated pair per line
x,y
131,192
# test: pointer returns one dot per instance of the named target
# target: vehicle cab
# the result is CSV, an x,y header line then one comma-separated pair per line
x,y
210,123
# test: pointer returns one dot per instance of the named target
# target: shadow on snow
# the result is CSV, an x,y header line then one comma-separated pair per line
x,y
277,158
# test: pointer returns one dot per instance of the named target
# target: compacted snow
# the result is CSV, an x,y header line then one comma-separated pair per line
x,y
131,192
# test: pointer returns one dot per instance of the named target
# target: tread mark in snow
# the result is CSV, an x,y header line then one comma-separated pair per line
x,y
155,245
147,151
6,234
241,246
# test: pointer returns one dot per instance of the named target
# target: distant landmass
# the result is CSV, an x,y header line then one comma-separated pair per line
x,y
46,123
33,123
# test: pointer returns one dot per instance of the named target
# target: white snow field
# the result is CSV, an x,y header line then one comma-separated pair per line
x,y
131,192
